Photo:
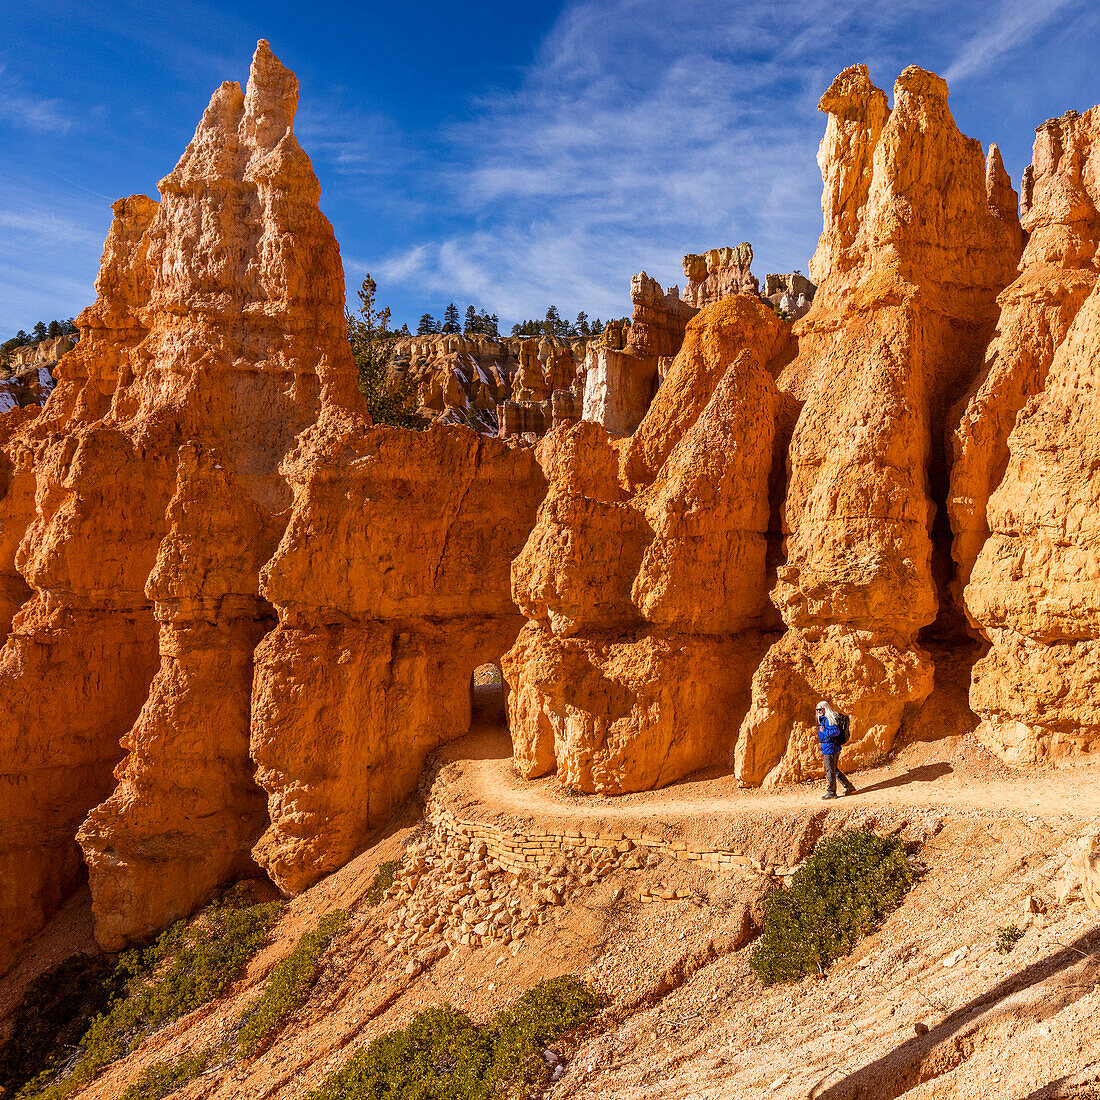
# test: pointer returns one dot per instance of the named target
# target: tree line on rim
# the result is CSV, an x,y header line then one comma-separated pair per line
x,y
485,324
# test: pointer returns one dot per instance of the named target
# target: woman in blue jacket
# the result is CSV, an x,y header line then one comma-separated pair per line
x,y
828,736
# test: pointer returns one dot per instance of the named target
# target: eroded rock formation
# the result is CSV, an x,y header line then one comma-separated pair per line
x,y
1061,213
643,594
1034,586
391,584
237,321
717,274
500,386
31,373
1033,418
145,500
915,248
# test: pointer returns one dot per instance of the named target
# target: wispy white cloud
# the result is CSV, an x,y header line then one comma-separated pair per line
x,y
44,116
638,134
1009,26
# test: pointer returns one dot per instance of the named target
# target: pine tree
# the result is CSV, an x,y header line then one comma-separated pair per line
x,y
40,331
428,325
54,329
371,345
450,319
24,338
581,326
597,327
471,326
492,327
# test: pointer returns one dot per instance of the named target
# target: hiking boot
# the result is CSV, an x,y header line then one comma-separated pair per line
x,y
849,790
827,795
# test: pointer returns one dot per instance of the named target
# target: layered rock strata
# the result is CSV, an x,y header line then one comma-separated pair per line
x,y
211,401
624,365
1025,469
918,241
643,594
718,274
242,324
1034,586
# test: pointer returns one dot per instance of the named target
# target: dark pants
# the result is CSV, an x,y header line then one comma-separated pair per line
x,y
833,773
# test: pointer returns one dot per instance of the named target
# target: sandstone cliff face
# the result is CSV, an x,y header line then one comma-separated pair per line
x,y
1034,585
242,320
391,584
212,307
211,401
1061,204
912,256
634,667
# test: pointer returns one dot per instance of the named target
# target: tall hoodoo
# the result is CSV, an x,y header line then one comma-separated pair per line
x,y
1060,266
1034,417
911,259
219,321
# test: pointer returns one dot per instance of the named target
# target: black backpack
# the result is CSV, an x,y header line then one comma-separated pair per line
x,y
843,724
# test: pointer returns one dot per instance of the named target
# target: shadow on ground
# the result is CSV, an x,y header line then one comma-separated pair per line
x,y
926,773
1068,974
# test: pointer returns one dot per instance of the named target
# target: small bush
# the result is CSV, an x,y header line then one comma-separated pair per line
x,y
162,1078
1007,938
443,1054
186,967
850,883
383,880
287,986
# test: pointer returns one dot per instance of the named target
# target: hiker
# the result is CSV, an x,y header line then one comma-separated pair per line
x,y
831,738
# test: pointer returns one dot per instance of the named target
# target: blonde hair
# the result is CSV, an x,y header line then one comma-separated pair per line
x,y
830,714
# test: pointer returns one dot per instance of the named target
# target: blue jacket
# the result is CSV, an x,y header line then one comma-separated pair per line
x,y
828,735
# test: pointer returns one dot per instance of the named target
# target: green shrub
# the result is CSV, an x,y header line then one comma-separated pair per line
x,y
383,880
186,967
287,986
443,1055
850,883
1007,938
51,1018
162,1078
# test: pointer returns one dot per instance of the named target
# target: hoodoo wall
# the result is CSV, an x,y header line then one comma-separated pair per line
x,y
239,616
915,248
392,587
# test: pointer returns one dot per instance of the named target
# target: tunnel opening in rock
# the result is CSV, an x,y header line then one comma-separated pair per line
x,y
487,695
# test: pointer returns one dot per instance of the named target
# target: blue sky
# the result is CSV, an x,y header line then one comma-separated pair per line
x,y
509,155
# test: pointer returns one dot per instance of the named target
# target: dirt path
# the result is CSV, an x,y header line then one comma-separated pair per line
x,y
953,773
